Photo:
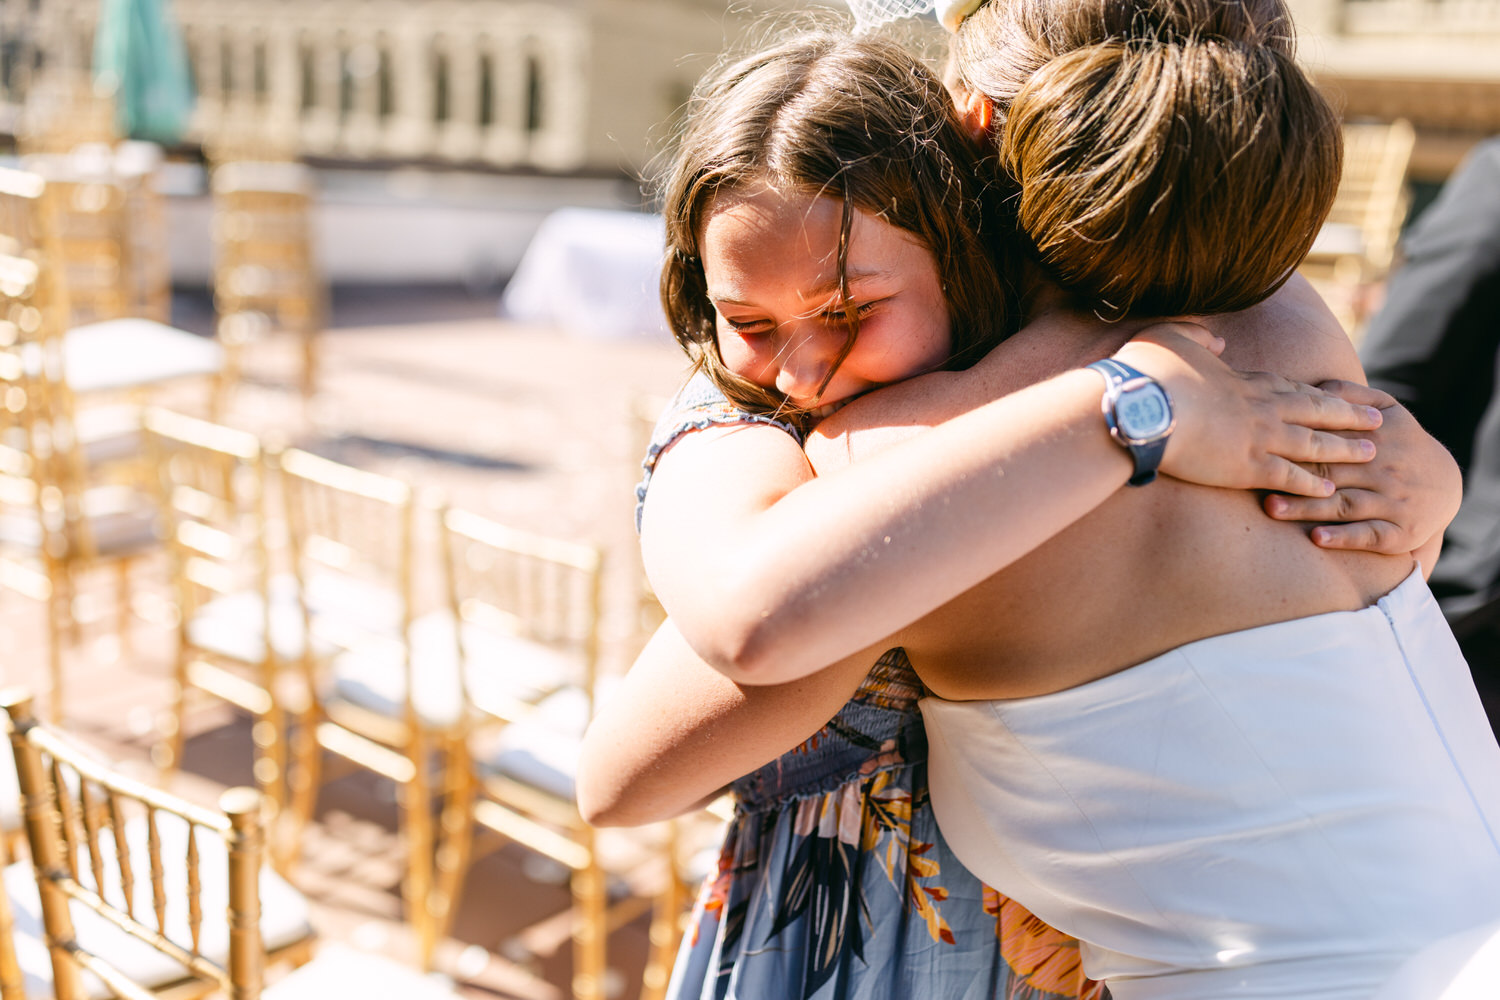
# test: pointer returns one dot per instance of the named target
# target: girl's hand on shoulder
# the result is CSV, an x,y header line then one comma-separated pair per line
x,y
1246,430
1400,502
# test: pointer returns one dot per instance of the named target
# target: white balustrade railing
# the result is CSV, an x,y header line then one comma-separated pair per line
x,y
496,82
522,83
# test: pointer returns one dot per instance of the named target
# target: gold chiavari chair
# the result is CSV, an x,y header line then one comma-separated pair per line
x,y
108,228
128,887
645,410
351,546
240,629
142,894
266,277
56,521
78,221
691,847
108,434
1357,244
527,611
243,135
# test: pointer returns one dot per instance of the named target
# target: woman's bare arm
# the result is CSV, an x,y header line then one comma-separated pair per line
x,y
675,731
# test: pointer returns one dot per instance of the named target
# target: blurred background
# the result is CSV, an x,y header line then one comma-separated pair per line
x,y
410,240
460,124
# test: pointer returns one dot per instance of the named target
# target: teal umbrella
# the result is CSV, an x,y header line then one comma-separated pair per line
x,y
139,55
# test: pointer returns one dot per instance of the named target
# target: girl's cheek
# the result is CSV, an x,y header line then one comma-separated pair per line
x,y
739,357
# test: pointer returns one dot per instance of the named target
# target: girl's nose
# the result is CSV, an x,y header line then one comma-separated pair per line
x,y
805,360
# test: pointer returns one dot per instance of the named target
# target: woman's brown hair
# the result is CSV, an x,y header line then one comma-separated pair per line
x,y
859,120
1171,156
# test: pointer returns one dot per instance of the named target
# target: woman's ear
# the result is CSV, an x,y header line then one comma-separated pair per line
x,y
978,115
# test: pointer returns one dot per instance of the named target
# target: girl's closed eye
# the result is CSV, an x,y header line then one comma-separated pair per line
x,y
746,327
836,312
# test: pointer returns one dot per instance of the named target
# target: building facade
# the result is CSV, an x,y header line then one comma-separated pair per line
x,y
555,86
590,86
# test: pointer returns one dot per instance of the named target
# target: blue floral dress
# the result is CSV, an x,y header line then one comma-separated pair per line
x,y
833,882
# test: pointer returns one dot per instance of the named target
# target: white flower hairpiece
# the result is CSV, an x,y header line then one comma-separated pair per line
x,y
953,12
873,13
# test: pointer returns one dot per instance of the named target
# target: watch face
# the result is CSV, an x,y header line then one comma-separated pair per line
x,y
1144,413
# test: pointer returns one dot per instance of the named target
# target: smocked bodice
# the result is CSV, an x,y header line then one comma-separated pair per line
x,y
879,727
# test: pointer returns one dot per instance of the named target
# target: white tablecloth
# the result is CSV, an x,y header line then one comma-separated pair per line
x,y
592,273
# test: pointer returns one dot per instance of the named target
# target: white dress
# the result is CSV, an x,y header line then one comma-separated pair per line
x,y
1287,811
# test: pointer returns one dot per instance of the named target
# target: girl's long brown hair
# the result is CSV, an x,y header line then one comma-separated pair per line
x,y
859,120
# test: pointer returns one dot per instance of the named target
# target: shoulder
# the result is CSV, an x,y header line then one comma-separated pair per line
x,y
1293,333
701,404
698,406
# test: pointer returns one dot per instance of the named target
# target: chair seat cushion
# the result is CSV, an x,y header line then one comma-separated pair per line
x,y
120,518
122,353
110,434
284,912
346,607
340,971
542,750
500,671
271,177
234,626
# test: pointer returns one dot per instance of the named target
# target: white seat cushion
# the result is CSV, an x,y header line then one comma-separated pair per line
x,y
123,519
340,971
352,605
120,518
234,625
500,670
274,177
542,750
122,353
284,912
109,434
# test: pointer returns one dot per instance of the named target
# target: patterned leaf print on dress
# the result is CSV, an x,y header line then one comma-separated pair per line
x,y
1046,958
822,888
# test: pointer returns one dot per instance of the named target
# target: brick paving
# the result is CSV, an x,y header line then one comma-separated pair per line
x,y
526,425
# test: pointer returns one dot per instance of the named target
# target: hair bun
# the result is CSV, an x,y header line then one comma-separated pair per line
x,y
1169,174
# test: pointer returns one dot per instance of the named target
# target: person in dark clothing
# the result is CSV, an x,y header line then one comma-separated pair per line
x,y
1435,346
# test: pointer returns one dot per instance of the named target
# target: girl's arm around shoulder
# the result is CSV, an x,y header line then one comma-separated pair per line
x,y
1402,501
773,573
675,732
